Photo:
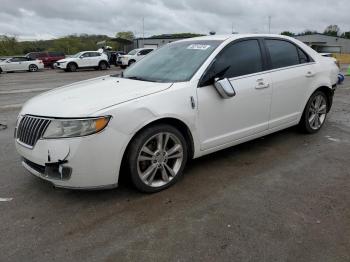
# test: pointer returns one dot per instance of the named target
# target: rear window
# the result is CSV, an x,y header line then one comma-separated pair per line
x,y
282,53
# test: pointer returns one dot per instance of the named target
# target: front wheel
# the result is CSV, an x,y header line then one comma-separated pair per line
x,y
315,113
72,67
33,68
157,157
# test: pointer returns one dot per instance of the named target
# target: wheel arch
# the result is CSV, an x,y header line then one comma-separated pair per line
x,y
180,125
103,61
329,92
72,62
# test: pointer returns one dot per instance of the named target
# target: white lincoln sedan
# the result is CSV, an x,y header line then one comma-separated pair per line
x,y
182,101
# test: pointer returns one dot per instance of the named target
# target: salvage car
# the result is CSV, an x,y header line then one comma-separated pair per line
x,y
20,63
185,100
86,59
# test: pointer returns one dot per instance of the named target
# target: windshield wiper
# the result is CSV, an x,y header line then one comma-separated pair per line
x,y
138,78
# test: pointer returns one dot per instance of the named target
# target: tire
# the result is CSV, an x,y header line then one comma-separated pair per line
x,y
33,68
103,65
0,70
123,66
159,161
72,67
315,113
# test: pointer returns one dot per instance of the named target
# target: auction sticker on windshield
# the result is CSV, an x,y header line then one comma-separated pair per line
x,y
198,47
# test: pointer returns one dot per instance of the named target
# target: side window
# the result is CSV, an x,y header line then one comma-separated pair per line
x,y
145,52
303,57
239,59
282,53
85,55
15,59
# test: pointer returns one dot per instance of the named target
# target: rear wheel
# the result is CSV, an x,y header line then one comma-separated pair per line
x,y
72,67
157,157
315,113
103,65
33,68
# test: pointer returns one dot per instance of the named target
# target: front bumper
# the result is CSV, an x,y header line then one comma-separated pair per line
x,y
90,162
60,65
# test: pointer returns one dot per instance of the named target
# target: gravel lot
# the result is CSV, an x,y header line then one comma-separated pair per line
x,y
284,197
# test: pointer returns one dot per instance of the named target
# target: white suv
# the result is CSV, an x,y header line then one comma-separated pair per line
x,y
133,56
184,100
86,59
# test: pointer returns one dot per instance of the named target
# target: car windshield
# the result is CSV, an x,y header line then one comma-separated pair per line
x,y
77,55
132,52
175,62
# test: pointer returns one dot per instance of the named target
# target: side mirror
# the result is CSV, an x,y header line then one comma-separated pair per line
x,y
224,88
139,53
81,57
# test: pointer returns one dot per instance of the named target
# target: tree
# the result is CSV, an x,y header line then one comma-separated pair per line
x,y
309,32
332,30
346,35
177,35
9,46
287,33
126,35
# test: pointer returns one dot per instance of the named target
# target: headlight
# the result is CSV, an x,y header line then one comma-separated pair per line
x,y
64,128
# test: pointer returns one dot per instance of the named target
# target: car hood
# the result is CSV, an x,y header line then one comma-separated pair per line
x,y
87,97
68,59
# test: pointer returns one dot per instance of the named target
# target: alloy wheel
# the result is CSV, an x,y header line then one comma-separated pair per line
x,y
33,68
160,159
317,112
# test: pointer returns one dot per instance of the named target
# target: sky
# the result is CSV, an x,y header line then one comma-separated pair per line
x,y
47,19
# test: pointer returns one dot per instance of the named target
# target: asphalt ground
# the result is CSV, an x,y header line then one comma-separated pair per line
x,y
284,197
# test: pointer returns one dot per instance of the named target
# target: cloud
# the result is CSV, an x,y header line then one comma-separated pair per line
x,y
48,18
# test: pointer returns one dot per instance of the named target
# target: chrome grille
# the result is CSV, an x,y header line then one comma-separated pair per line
x,y
31,129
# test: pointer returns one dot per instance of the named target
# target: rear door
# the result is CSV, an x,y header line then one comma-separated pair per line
x,y
94,58
291,74
221,120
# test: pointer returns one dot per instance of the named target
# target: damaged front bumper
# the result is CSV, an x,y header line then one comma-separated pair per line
x,y
90,162
55,171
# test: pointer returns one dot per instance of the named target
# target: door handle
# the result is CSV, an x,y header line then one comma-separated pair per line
x,y
261,84
310,74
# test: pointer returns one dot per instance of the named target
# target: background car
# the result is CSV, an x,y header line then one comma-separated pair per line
x,y
48,58
113,56
20,63
133,56
86,59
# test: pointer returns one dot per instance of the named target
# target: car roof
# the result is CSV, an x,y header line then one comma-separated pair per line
x,y
233,37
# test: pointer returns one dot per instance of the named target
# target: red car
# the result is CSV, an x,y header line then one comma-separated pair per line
x,y
48,58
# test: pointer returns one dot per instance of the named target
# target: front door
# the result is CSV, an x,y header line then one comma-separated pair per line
x,y
222,121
